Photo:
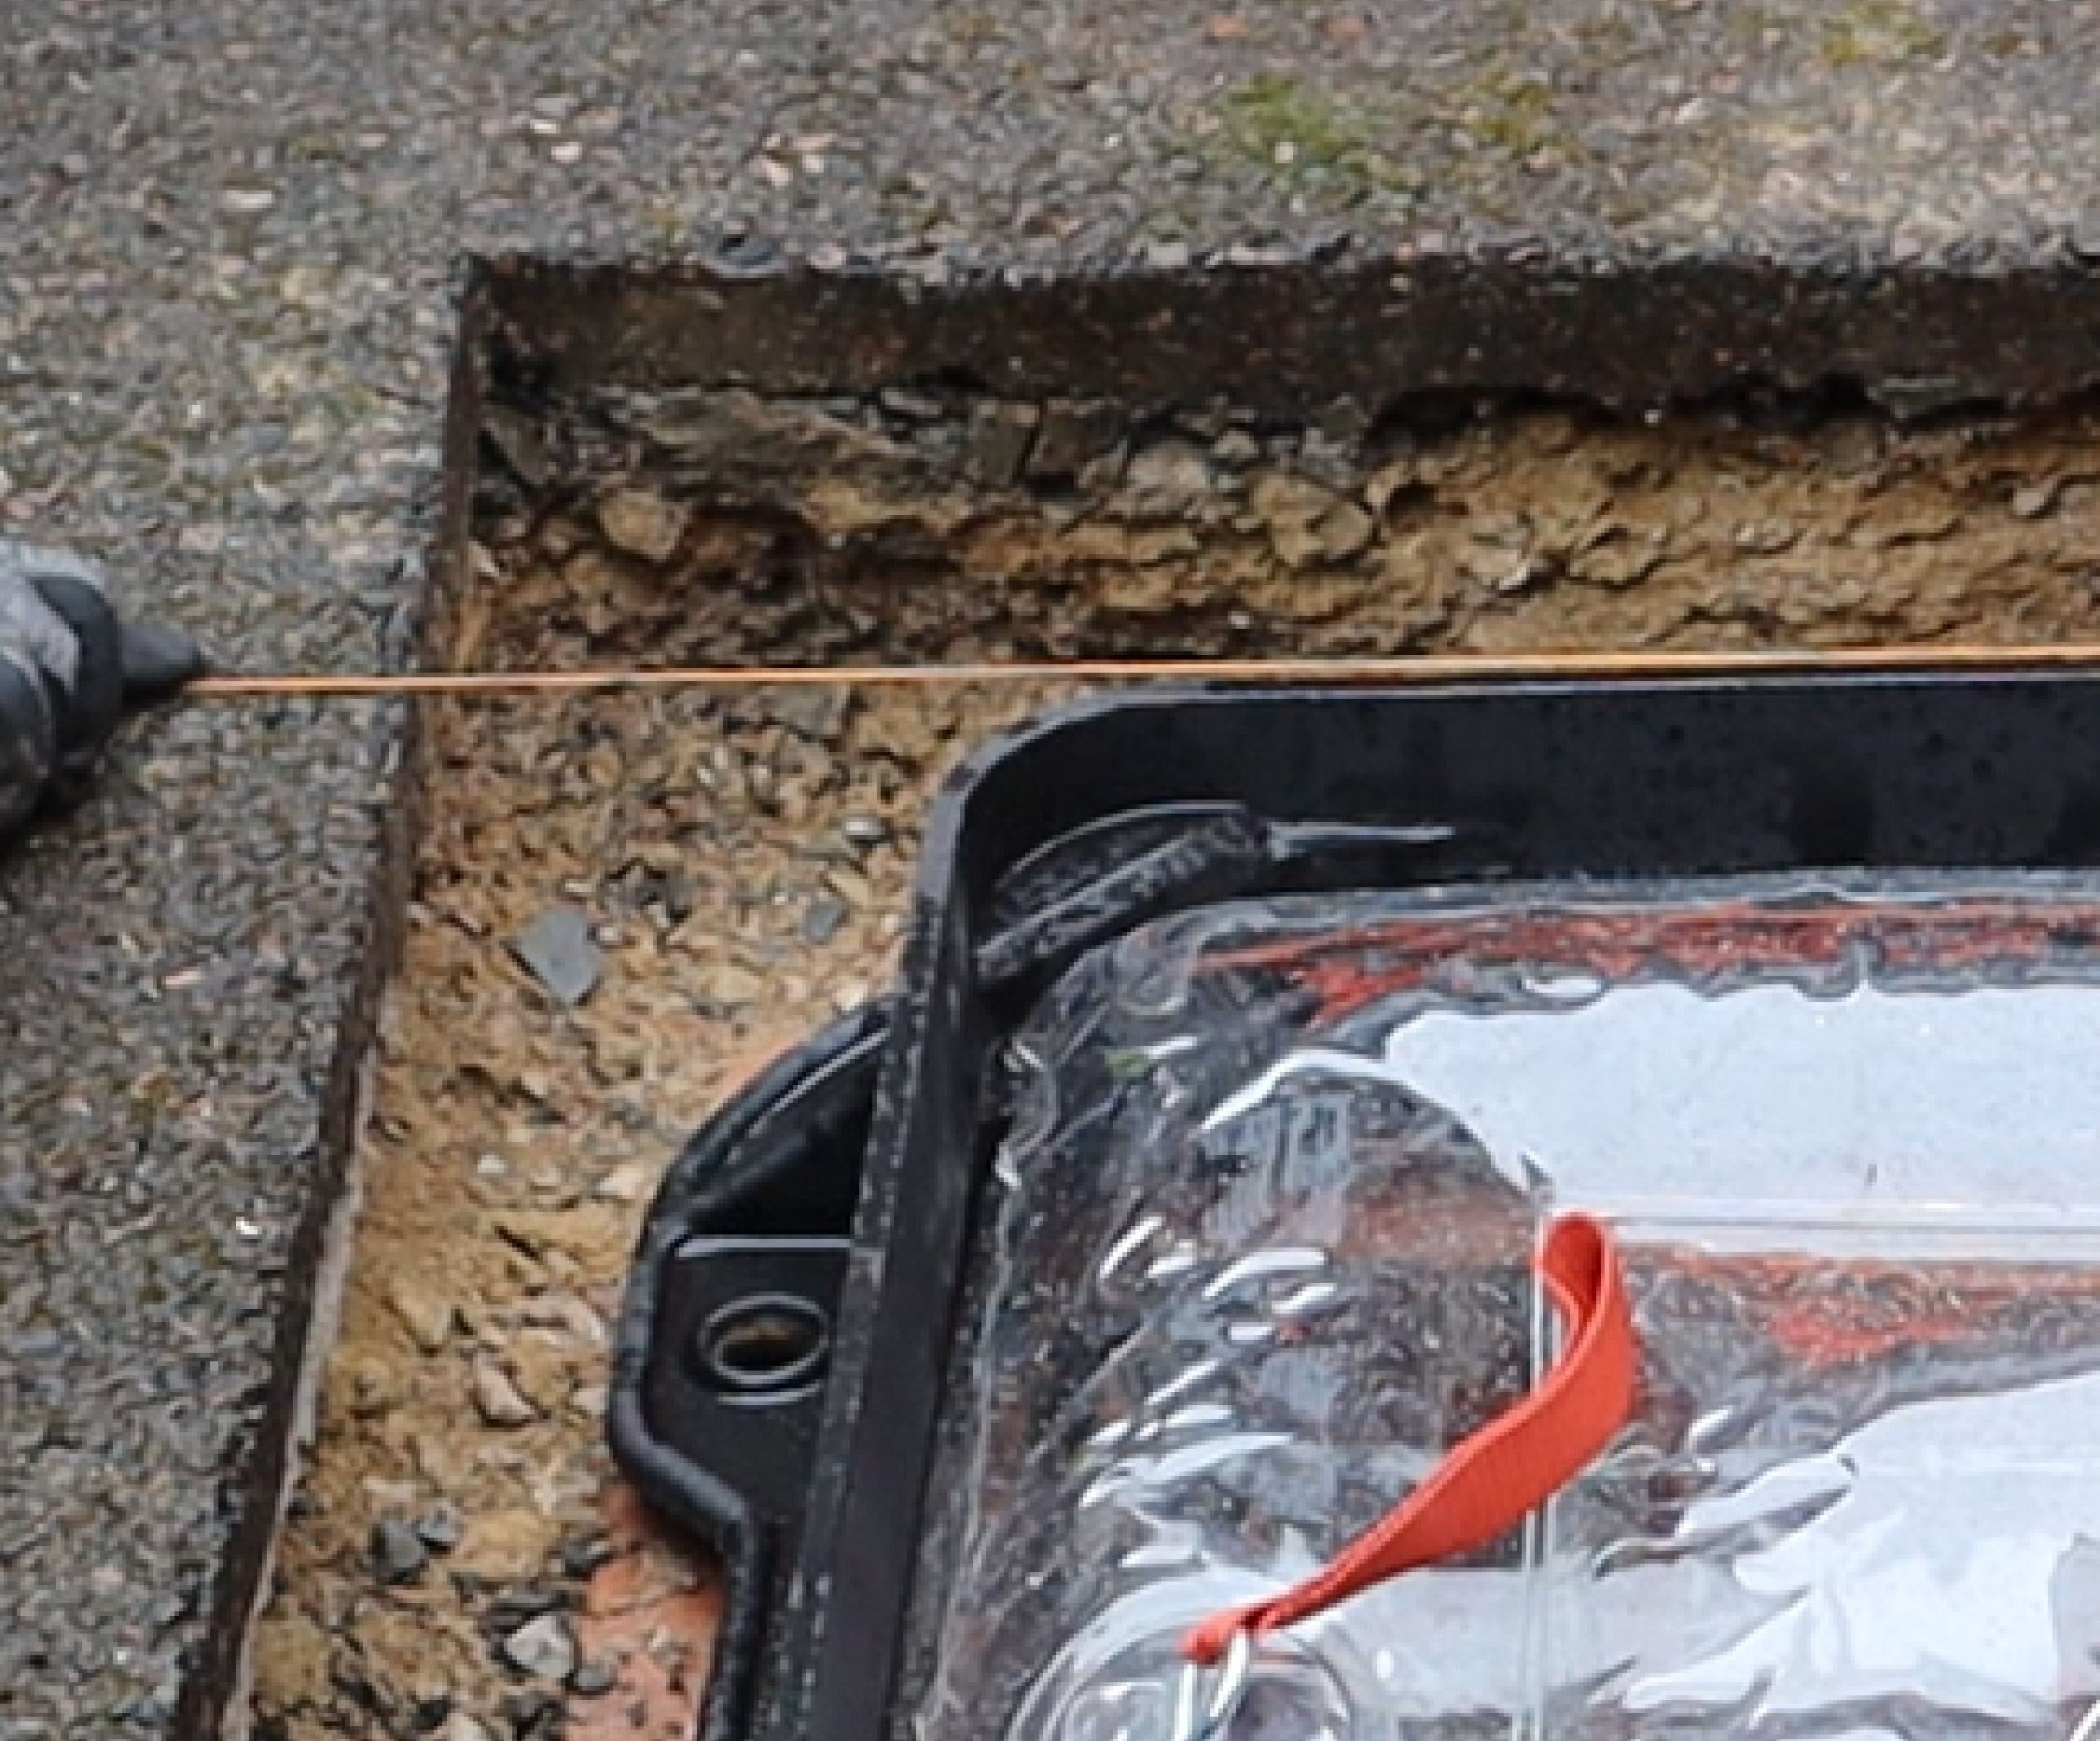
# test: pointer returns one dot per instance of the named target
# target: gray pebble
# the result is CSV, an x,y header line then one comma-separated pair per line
x,y
517,441
1072,435
398,1554
821,922
427,1714
442,1528
557,949
543,1649
532,1715
1000,438
677,893
591,1681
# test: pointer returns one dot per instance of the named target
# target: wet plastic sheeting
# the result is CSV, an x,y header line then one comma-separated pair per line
x,y
1259,1254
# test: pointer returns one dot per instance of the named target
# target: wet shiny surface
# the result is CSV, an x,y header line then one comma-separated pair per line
x,y
1262,1256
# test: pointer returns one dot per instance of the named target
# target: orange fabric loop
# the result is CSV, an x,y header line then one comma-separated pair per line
x,y
1488,1482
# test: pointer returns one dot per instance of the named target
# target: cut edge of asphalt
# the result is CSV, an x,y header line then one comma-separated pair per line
x,y
339,1245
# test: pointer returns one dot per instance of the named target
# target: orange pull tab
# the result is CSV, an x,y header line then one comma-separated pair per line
x,y
1489,1482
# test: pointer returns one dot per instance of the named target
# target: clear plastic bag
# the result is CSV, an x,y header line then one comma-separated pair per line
x,y
1260,1256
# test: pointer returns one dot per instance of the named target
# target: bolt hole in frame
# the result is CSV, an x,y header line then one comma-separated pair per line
x,y
764,1349
1474,786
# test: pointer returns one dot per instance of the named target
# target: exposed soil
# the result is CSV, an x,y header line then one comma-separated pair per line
x,y
832,534
742,861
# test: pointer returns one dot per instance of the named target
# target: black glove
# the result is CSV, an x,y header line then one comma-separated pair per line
x,y
68,668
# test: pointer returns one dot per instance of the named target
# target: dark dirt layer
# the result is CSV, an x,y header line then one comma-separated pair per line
x,y
743,858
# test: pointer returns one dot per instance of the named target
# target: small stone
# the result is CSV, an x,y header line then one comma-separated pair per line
x,y
556,948
513,1608
497,1399
679,894
1169,478
371,1385
349,1678
399,1554
1329,460
1235,447
821,922
1913,396
641,524
427,1318
459,1726
428,1711
1254,256
1307,522
519,444
1344,531
543,1649
1072,432
543,1375
995,450
442,1528
864,832
582,1555
912,407
2035,499
592,1680
1519,577
532,1715
247,201
623,1184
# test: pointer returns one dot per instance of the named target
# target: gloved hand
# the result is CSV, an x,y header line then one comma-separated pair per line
x,y
68,668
